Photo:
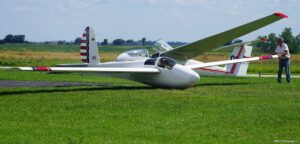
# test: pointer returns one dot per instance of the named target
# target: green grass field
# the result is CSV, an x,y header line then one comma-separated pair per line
x,y
215,110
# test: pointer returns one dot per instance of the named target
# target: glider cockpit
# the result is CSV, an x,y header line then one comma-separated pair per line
x,y
163,62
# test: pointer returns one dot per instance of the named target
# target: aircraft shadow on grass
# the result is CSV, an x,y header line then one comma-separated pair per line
x,y
100,88
78,89
219,84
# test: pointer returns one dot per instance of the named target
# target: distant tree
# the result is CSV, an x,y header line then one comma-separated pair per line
x,y
143,41
77,40
69,42
269,44
118,42
262,43
19,39
105,42
130,42
297,43
14,38
288,37
2,42
272,40
62,42
151,43
9,38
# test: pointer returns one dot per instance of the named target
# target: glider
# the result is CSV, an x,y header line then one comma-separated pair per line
x,y
170,69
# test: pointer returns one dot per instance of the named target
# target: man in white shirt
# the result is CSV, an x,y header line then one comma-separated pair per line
x,y
282,51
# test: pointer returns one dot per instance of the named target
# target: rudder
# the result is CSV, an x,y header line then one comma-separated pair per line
x,y
239,69
88,47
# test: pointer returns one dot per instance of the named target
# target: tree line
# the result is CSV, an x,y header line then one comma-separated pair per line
x,y
144,42
268,43
120,41
13,39
131,42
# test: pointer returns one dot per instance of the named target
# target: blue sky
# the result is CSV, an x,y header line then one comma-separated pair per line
x,y
178,20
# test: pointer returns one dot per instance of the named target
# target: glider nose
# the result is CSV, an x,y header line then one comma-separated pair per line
x,y
194,77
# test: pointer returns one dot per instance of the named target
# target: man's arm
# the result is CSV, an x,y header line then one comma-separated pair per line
x,y
274,53
284,53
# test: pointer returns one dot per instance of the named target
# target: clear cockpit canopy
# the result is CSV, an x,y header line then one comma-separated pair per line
x,y
138,53
161,46
132,55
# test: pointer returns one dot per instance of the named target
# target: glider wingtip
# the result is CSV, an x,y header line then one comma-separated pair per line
x,y
281,15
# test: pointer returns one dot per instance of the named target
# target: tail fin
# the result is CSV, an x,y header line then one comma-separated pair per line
x,y
239,69
88,48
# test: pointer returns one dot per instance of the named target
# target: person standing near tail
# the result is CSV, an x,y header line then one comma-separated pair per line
x,y
282,51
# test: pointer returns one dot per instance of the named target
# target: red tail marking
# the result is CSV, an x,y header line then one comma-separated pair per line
x,y
235,64
212,70
83,47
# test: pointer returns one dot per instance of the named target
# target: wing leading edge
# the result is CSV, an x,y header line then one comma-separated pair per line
x,y
92,69
199,47
217,63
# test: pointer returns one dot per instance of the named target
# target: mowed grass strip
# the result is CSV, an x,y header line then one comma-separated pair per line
x,y
49,55
216,110
40,58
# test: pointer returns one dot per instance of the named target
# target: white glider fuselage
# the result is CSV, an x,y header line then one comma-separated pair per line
x,y
176,77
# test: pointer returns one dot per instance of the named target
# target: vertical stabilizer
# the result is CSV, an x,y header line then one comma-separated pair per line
x,y
88,48
239,69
